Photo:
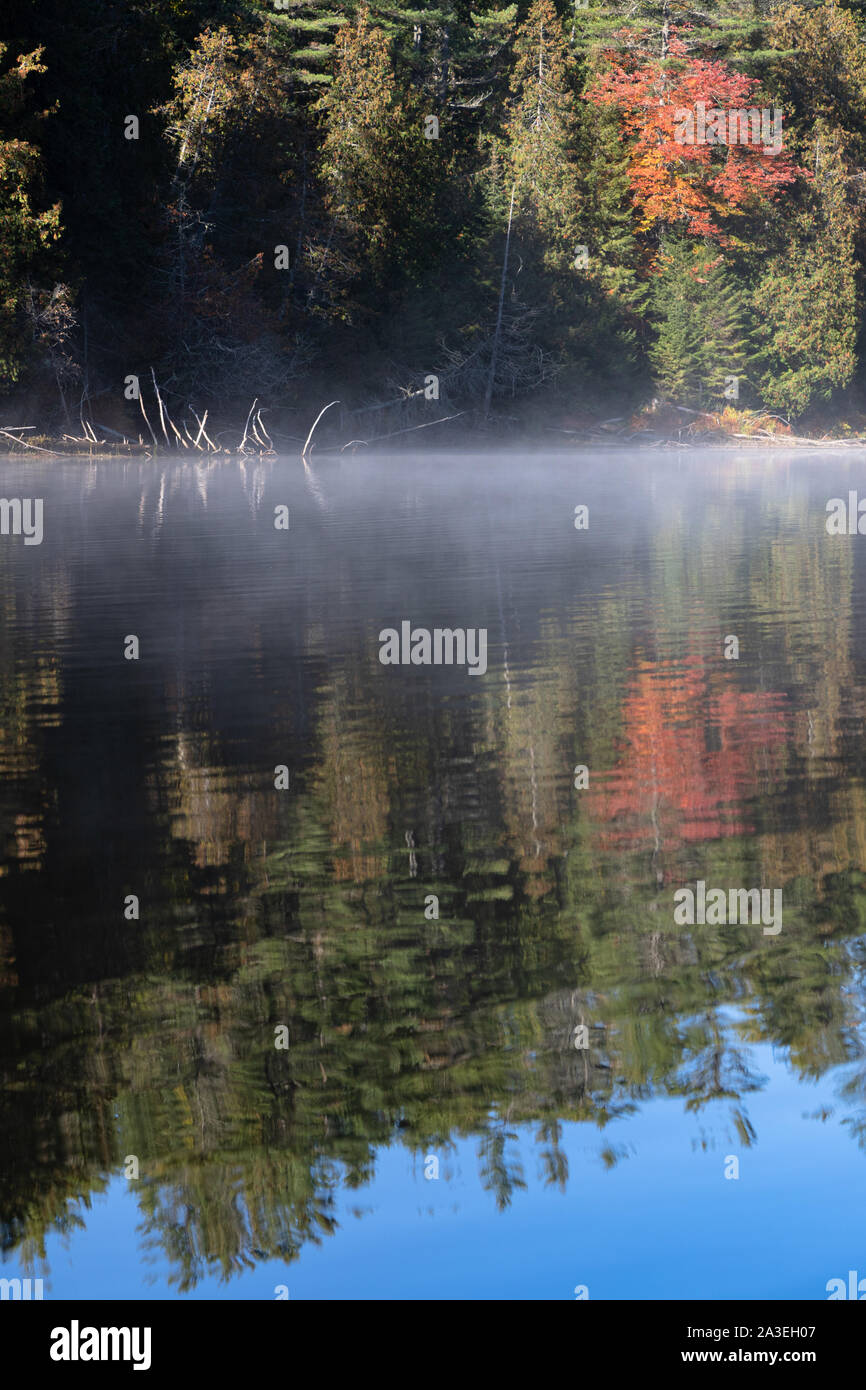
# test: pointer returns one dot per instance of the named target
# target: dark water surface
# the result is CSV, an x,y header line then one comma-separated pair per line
x,y
418,1042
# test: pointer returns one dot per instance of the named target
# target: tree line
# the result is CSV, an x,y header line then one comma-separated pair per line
x,y
495,212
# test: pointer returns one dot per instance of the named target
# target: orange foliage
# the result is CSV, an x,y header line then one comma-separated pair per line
x,y
692,757
675,181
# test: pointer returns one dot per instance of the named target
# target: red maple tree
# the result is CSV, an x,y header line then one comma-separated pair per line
x,y
673,181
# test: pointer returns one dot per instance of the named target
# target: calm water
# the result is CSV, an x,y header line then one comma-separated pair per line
x,y
418,1042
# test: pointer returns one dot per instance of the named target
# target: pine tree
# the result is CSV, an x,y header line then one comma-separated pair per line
x,y
307,29
677,354
392,192
735,30
541,131
608,223
809,297
727,350
704,336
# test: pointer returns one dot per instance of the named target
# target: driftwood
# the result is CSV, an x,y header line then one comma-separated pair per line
x,y
409,430
802,441
162,414
27,445
178,433
146,421
594,435
202,431
241,449
264,438
315,422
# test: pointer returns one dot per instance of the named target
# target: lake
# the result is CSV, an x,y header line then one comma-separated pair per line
x,y
331,967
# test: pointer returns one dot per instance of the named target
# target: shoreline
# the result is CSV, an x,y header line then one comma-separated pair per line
x,y
61,450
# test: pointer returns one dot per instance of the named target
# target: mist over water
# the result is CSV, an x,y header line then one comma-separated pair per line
x,y
416,1033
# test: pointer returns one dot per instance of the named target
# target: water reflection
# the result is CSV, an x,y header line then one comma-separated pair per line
x,y
305,908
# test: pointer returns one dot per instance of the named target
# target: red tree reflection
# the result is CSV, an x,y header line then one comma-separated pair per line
x,y
690,760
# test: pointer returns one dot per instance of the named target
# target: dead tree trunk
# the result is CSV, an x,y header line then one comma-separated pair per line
x,y
498,333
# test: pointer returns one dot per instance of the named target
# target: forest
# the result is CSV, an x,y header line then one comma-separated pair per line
x,y
539,214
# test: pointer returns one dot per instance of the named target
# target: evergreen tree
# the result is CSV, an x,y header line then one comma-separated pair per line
x,y
676,355
728,350
607,214
540,133
308,28
808,299
703,337
399,212
735,30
